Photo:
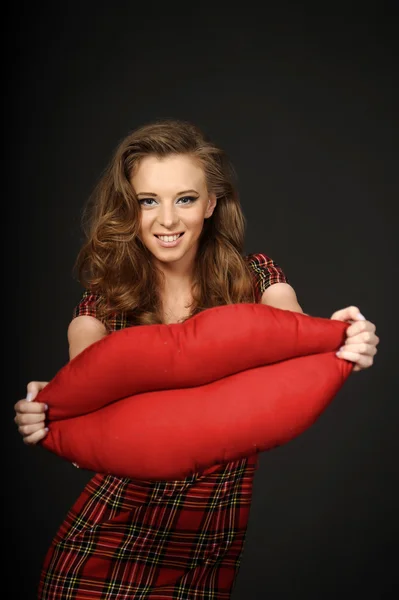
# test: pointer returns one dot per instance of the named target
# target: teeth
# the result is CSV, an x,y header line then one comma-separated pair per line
x,y
168,238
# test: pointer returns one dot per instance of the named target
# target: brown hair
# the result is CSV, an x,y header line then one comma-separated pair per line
x,y
115,264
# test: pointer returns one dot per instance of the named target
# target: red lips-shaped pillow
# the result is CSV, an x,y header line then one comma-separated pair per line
x,y
160,402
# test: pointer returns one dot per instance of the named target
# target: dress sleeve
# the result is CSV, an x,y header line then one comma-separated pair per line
x,y
265,272
87,305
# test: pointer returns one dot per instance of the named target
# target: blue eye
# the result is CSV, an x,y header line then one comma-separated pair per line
x,y
189,199
146,201
184,200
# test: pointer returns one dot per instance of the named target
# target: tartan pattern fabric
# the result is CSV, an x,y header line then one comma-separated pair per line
x,y
181,540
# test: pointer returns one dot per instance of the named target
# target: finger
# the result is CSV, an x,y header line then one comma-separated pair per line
x,y
30,419
350,313
361,360
360,327
365,337
24,406
26,430
33,439
33,388
362,348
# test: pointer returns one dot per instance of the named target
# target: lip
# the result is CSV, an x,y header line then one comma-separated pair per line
x,y
169,244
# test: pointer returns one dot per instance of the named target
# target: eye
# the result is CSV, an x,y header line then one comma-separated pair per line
x,y
146,201
187,200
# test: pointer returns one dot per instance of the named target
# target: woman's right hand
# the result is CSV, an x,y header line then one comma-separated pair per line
x,y
30,416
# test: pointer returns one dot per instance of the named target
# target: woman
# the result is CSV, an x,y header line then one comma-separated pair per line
x,y
164,241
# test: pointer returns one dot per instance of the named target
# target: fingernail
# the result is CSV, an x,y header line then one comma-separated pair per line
x,y
46,407
29,397
46,429
361,317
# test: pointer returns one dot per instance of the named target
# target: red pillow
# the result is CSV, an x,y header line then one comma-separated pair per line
x,y
160,402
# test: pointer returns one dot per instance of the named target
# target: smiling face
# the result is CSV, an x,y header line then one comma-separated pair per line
x,y
174,202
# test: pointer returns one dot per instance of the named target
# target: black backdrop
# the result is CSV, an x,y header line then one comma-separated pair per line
x,y
307,108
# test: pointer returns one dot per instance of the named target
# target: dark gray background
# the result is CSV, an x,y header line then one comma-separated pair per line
x,y
307,108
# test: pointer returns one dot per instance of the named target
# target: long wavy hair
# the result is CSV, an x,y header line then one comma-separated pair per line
x,y
114,263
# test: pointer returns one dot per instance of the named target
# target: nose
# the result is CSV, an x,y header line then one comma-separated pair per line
x,y
168,216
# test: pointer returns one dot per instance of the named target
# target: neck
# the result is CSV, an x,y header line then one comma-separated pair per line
x,y
176,283
178,277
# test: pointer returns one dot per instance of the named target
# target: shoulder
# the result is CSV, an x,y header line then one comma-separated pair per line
x,y
265,272
83,331
281,295
265,269
256,257
88,306
256,260
271,283
85,317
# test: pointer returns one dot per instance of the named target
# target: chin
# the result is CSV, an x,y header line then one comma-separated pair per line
x,y
167,259
168,254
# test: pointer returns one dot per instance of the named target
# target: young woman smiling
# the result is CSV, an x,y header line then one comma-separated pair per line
x,y
164,241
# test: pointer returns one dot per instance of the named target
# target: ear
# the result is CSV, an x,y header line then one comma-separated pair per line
x,y
211,205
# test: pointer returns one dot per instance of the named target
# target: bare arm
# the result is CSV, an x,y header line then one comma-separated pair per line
x,y
361,341
82,332
30,416
281,295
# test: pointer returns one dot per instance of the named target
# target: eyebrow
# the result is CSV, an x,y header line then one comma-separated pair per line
x,y
178,194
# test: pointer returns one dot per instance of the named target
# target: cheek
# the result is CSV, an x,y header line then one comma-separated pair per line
x,y
144,223
195,220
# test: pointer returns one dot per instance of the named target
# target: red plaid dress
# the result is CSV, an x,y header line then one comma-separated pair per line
x,y
179,540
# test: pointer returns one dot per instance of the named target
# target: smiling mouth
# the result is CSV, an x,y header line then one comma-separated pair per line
x,y
174,236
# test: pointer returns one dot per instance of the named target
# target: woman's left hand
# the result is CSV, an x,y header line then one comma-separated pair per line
x,y
361,340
